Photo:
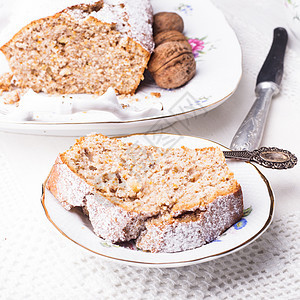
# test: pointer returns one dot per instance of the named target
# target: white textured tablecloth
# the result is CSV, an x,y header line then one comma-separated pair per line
x,y
36,262
39,263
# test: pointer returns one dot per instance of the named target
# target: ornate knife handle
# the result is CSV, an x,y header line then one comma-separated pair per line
x,y
269,157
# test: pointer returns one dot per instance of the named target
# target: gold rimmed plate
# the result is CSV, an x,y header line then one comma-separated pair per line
x,y
258,213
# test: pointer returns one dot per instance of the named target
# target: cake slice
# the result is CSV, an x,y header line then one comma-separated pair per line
x,y
169,199
86,48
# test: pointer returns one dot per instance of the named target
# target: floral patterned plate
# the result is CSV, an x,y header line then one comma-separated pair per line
x,y
219,69
258,213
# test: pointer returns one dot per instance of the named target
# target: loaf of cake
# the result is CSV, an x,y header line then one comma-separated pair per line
x,y
85,48
168,199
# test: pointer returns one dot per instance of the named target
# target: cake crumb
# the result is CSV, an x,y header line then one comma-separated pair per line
x,y
12,97
5,82
157,95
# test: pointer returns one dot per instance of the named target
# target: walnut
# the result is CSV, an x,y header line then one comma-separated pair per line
x,y
168,36
166,21
166,52
172,64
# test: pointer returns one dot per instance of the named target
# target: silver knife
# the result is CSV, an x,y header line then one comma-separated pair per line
x,y
249,135
247,139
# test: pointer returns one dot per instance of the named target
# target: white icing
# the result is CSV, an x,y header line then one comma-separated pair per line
x,y
40,107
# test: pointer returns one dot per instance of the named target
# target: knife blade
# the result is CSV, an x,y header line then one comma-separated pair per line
x,y
249,134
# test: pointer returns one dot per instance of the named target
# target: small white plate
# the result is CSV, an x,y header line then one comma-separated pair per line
x,y
219,70
258,205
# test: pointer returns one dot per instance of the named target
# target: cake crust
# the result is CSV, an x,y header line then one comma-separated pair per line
x,y
204,227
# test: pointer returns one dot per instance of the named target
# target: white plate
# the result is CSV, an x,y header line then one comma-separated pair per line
x,y
258,202
219,69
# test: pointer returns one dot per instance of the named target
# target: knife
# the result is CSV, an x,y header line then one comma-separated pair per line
x,y
249,134
247,139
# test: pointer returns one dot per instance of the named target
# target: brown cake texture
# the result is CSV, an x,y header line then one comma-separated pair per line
x,y
86,48
168,199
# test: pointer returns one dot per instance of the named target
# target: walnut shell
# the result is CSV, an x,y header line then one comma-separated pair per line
x,y
176,72
166,52
169,36
172,64
166,21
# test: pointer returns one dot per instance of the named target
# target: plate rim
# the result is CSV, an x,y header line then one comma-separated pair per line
x,y
185,262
